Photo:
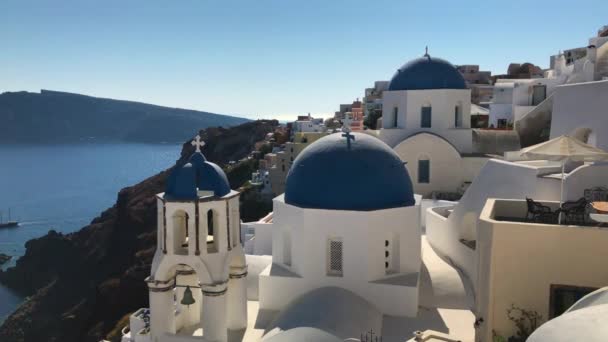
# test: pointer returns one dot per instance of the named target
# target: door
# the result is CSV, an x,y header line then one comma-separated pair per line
x,y
539,94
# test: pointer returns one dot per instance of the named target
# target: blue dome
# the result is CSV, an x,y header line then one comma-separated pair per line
x,y
196,175
427,73
367,176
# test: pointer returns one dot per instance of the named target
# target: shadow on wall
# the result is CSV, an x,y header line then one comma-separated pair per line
x,y
495,141
427,319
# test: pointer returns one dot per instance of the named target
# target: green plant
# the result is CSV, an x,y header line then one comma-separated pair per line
x,y
526,321
497,338
372,118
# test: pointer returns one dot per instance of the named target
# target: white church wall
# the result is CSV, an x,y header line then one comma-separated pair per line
x,y
278,291
211,264
461,138
446,169
363,236
581,105
442,101
282,225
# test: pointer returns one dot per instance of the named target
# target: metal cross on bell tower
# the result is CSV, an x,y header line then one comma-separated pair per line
x,y
346,129
198,143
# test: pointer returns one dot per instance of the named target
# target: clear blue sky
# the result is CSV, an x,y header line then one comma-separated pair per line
x,y
269,58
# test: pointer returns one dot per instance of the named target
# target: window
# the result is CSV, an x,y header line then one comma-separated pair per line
x,y
210,223
425,117
391,262
286,248
395,117
424,171
562,297
211,238
501,123
457,116
334,261
180,233
539,94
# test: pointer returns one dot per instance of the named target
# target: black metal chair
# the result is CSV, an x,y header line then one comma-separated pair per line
x,y
574,212
598,193
539,212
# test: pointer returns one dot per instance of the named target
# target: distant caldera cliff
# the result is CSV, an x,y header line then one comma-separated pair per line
x,y
60,117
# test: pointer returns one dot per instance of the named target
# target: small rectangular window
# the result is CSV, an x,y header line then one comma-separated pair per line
x,y
335,257
395,117
424,171
502,123
562,297
457,117
425,117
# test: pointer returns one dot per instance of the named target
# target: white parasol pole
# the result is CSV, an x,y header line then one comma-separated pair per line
x,y
561,194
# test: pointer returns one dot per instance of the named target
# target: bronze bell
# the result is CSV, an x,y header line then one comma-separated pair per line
x,y
188,299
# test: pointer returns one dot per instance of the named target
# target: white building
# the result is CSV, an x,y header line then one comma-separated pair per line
x,y
363,237
309,125
353,261
510,260
427,120
515,98
428,94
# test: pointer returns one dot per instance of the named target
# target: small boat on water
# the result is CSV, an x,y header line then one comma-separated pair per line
x,y
8,223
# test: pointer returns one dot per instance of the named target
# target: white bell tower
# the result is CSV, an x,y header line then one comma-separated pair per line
x,y
197,281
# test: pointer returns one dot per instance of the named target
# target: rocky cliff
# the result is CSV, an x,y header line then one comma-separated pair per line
x,y
81,285
52,116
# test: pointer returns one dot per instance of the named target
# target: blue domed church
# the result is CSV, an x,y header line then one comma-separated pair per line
x,y
349,219
426,119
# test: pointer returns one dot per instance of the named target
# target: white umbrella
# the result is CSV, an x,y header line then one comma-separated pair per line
x,y
564,148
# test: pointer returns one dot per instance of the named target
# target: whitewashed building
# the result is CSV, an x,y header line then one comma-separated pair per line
x,y
426,119
514,98
364,238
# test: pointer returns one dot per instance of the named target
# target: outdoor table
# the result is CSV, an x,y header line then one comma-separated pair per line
x,y
601,207
602,212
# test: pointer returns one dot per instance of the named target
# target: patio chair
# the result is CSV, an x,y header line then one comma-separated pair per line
x,y
598,193
575,212
540,213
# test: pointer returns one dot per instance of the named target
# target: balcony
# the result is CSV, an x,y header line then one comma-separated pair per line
x,y
519,212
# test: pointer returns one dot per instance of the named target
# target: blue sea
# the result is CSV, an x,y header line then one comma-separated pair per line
x,y
63,187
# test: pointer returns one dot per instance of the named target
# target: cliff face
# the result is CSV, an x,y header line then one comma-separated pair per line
x,y
81,284
52,116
